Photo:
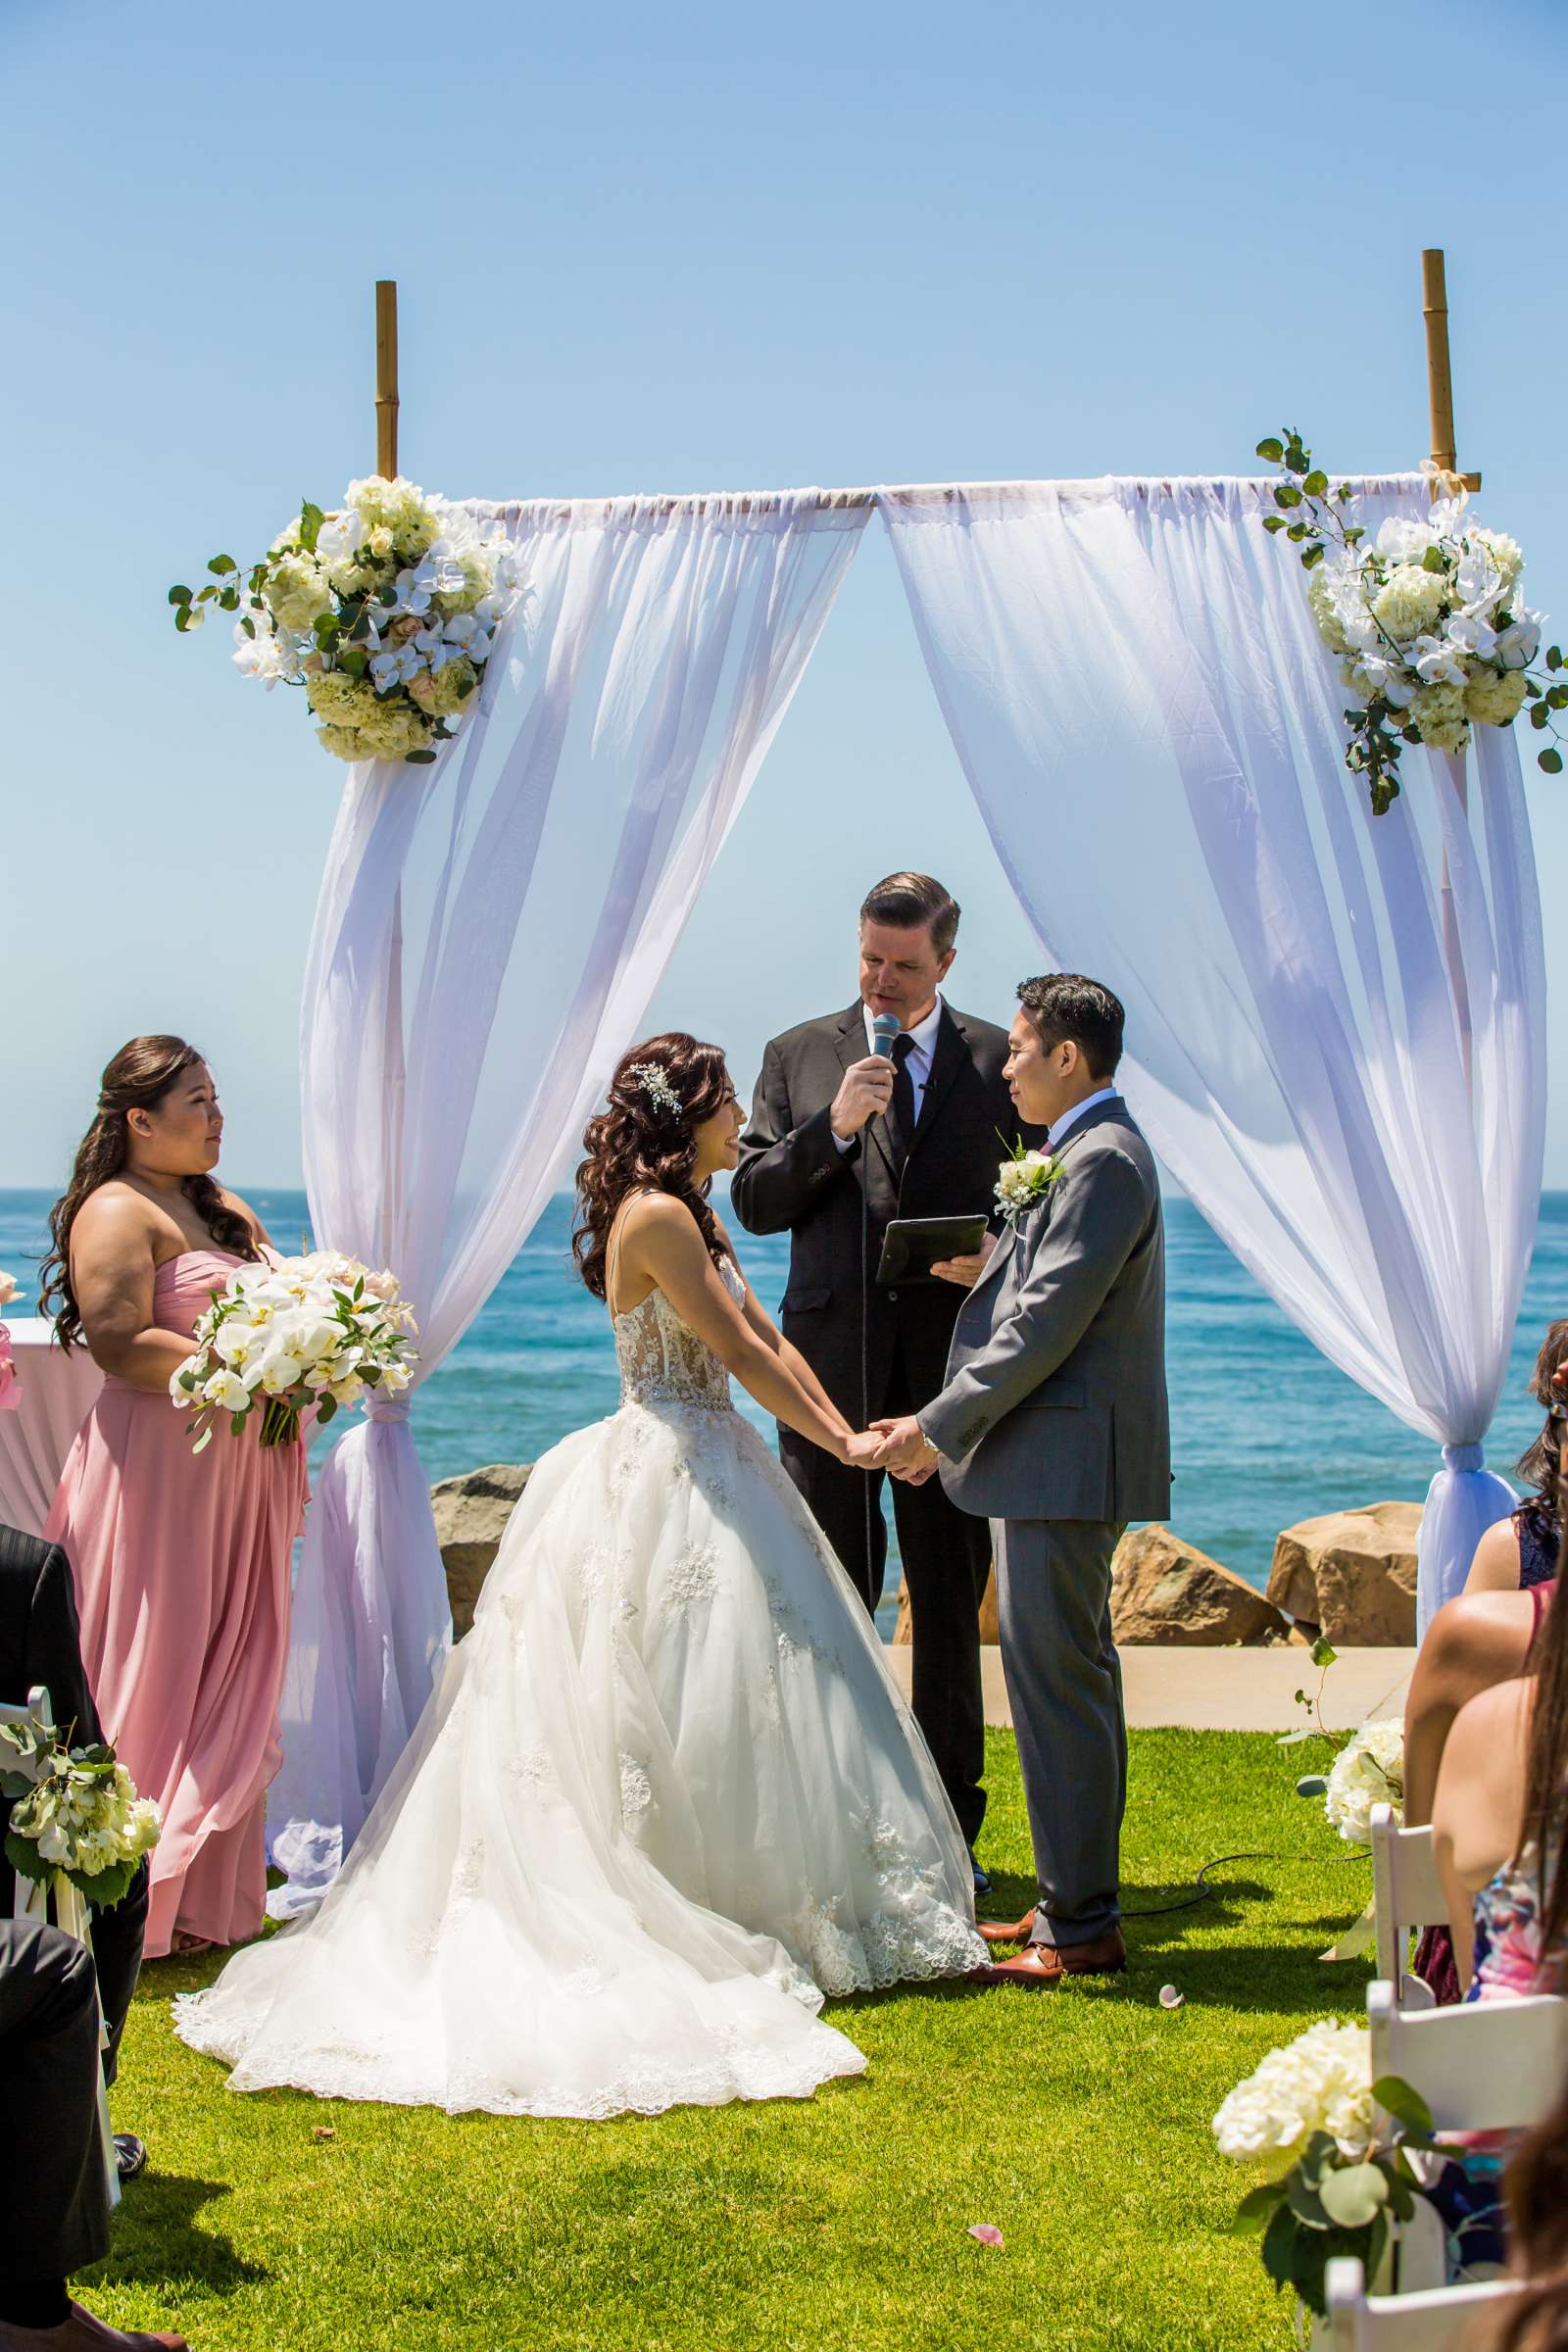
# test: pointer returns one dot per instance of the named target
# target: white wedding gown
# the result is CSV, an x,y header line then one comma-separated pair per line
x,y
665,1799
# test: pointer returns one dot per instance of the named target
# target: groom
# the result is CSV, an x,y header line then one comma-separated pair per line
x,y
1053,1423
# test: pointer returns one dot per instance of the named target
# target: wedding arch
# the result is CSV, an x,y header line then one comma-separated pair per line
x,y
1336,1021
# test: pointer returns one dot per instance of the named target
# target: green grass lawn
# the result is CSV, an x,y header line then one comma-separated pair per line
x,y
1078,2122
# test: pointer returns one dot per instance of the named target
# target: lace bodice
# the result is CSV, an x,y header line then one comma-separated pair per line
x,y
662,1359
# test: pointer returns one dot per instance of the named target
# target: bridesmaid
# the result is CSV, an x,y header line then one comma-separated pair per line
x,y
182,1561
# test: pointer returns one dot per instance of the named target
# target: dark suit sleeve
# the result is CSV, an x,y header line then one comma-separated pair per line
x,y
784,1170
54,1651
1095,1224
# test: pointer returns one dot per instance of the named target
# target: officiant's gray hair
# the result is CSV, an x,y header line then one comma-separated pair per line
x,y
913,901
1064,1005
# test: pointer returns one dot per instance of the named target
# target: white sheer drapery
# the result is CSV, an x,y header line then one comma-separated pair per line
x,y
1137,692
488,934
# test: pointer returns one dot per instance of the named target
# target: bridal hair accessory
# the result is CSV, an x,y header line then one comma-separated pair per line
x,y
654,1083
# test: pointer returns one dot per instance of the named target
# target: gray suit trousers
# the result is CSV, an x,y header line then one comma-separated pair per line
x,y
1064,1687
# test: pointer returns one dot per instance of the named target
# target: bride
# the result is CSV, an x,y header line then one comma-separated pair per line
x,y
665,1796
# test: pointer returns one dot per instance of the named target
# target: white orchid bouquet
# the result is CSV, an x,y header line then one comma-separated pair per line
x,y
385,611
1429,622
1350,2138
301,1332
74,1814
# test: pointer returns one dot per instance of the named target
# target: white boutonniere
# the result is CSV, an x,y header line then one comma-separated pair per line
x,y
1023,1180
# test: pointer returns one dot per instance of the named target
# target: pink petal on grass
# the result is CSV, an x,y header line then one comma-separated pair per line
x,y
987,2234
1170,1998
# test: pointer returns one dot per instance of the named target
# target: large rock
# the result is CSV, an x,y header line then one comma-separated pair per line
x,y
1352,1575
1165,1590
470,1517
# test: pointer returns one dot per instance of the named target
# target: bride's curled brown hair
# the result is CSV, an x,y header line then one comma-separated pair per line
x,y
646,1141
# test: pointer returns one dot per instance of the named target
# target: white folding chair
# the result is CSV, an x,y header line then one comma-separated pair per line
x,y
1406,1895
30,1901
1486,2066
1422,2323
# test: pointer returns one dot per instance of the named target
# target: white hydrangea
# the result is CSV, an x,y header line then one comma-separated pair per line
x,y
1505,552
1368,1771
1410,602
1438,714
1494,697
1321,2082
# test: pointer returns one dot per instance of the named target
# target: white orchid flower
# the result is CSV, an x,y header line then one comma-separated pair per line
x,y
395,664
339,537
1518,645
1469,634
263,656
416,585
1404,541
1438,662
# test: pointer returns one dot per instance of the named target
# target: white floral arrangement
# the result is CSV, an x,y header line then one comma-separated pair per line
x,y
1429,622
301,1332
1368,1771
1350,2141
1321,2082
385,611
1023,1179
74,1814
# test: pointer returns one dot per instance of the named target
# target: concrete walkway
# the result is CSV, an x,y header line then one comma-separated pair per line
x,y
1226,1690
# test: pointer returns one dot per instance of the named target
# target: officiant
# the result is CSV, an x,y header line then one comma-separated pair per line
x,y
841,1142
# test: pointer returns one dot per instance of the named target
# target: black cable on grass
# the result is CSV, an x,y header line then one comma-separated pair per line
x,y
1202,1893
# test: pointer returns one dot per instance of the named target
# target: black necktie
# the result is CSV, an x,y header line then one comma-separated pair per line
x,y
901,1115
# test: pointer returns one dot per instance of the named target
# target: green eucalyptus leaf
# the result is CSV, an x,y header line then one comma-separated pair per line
x,y
1312,555
311,521
1433,561
419,758
1551,760
1395,2097
1555,657
221,564
1315,483
325,1411
1311,1784
1287,495
1324,1652
1352,2195
1273,522
181,595
1271,450
1279,2245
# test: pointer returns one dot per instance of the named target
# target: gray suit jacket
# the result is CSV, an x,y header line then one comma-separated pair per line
x,y
1054,1402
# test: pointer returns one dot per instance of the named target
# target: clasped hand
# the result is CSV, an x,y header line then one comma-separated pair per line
x,y
898,1445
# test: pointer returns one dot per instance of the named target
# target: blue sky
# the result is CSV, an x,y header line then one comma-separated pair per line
x,y
698,247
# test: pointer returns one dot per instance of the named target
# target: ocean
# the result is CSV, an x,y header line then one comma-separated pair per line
x,y
1265,1431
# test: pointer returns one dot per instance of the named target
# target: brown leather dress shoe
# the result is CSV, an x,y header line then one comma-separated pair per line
x,y
1044,1965
997,1931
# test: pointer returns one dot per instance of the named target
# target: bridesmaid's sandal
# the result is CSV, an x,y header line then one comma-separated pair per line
x,y
183,1945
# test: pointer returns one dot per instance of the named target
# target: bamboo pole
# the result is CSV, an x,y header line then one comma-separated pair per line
x,y
1445,479
386,377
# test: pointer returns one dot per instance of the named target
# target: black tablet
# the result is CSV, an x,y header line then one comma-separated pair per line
x,y
911,1246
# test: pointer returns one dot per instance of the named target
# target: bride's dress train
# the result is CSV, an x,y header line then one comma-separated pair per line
x,y
665,1799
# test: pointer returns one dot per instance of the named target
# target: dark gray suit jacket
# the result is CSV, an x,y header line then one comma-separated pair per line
x,y
1054,1403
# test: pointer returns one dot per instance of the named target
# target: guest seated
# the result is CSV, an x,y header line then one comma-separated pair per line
x,y
53,2194
1497,1829
1536,2186
1522,1549
39,1645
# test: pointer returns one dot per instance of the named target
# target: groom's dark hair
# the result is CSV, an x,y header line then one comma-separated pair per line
x,y
1064,1005
912,902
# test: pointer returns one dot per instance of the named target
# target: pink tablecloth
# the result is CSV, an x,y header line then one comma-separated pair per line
x,y
56,1388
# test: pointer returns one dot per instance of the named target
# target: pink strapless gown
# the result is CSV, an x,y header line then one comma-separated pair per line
x,y
181,1567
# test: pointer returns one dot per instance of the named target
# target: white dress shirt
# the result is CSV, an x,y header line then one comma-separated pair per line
x,y
917,1062
1102,1093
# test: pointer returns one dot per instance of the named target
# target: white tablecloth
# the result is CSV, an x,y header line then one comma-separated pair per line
x,y
56,1389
